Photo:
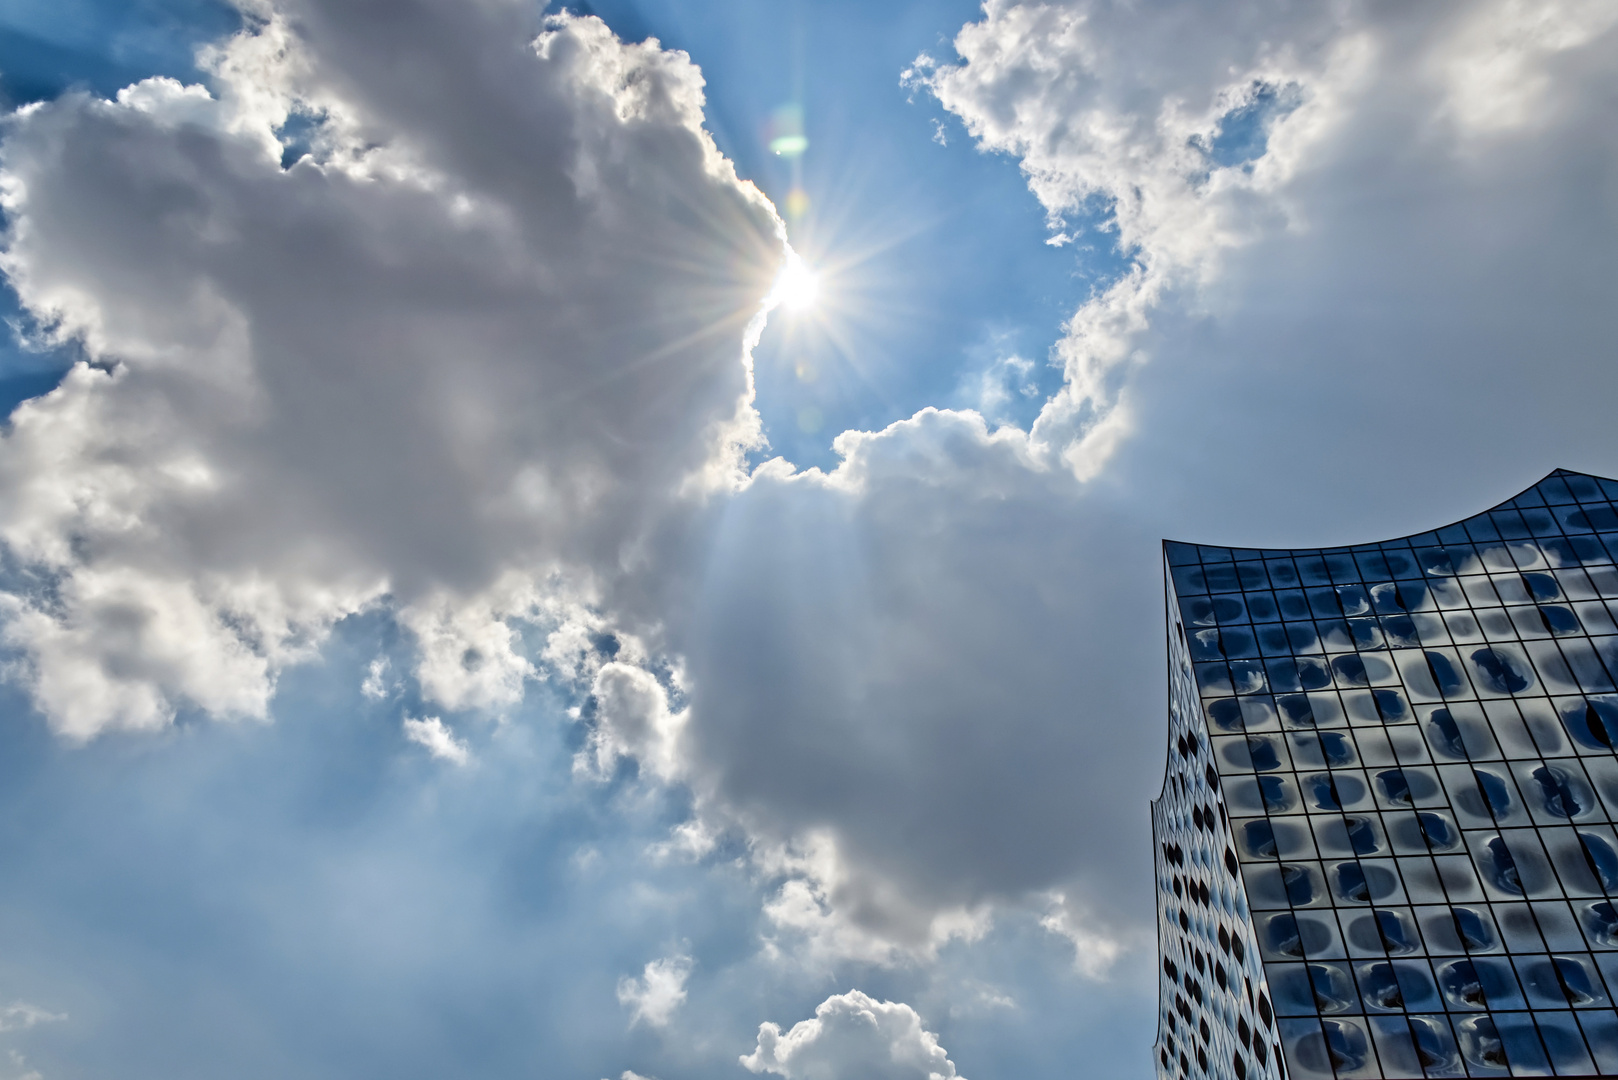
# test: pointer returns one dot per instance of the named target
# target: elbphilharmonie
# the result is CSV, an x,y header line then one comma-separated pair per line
x,y
1385,842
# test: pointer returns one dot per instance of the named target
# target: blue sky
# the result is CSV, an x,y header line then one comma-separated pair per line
x,y
455,620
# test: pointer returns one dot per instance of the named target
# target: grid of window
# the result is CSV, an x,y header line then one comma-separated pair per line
x,y
1414,747
1215,1017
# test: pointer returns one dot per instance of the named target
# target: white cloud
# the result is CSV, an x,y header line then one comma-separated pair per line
x,y
20,1015
658,993
432,733
378,674
467,352
853,1035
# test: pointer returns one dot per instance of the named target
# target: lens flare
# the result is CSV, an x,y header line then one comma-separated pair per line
x,y
798,287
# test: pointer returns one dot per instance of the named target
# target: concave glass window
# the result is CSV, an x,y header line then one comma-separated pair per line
x,y
1259,839
1601,921
1575,981
1501,867
1559,621
1437,831
1554,789
1274,791
1460,983
1296,711
1336,747
1362,835
1323,791
1447,732
1225,714
1394,786
1434,1046
1379,987
1603,861
1448,679
1495,792
1542,587
1474,931
1332,989
1346,1044
1350,670
1300,888
1263,754
1592,723
1351,884
1396,936
1283,936
1480,1042
1499,672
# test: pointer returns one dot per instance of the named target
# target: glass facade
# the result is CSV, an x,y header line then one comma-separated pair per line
x,y
1385,845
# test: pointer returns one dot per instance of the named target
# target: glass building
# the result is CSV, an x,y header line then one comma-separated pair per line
x,y
1385,842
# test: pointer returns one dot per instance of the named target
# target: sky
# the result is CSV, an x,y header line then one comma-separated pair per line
x,y
623,542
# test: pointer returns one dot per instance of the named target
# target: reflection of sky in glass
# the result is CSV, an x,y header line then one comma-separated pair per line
x,y
1406,750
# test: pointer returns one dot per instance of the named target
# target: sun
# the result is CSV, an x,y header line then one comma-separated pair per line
x,y
797,287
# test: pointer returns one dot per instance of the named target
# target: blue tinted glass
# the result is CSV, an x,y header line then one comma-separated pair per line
x,y
1501,867
1337,748
1282,572
1556,793
1603,862
1397,937
1362,836
1473,930
1261,607
1499,672
1495,791
1259,839
1559,621
1446,732
1448,678
1437,831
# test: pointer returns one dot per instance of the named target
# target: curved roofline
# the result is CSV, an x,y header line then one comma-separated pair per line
x,y
1504,504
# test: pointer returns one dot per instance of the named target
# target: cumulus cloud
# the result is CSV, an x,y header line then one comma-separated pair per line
x,y
432,733
1189,132
853,1035
488,329
658,993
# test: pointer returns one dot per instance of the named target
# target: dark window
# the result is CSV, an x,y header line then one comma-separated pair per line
x,y
1447,733
1602,860
1542,586
1557,792
1473,930
1282,932
1396,936
1300,889
1499,672
1379,987
1601,922
1501,867
1338,750
1346,1045
1362,835
1559,620
1449,680
1351,883
1394,786
1259,839
1437,831
1461,984
1263,754
1494,790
